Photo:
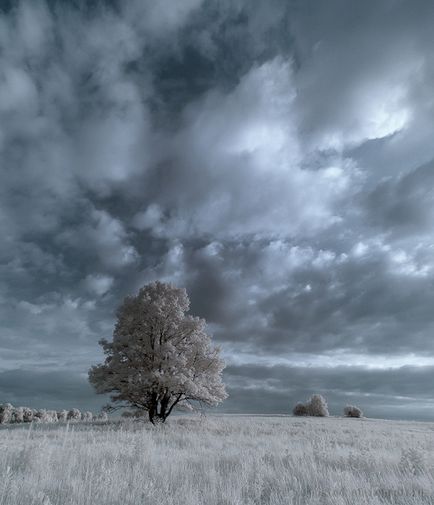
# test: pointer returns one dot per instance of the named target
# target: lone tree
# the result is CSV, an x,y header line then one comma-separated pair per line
x,y
160,357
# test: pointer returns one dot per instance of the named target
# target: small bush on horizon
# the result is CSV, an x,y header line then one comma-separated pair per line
x,y
27,415
102,416
87,416
352,411
62,416
17,415
41,416
300,409
316,406
6,413
74,415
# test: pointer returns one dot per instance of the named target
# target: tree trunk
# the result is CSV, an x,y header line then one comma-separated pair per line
x,y
159,409
153,408
151,414
164,404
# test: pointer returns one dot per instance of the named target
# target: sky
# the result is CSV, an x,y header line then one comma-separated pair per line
x,y
275,158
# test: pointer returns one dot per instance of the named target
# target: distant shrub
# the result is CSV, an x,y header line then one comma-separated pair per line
x,y
87,416
52,416
300,409
352,411
41,416
74,415
27,415
62,415
6,413
102,416
17,415
316,406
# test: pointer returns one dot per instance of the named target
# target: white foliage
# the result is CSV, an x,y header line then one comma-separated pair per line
x,y
41,416
87,416
74,415
17,415
53,416
35,418
102,416
27,415
352,411
316,406
6,413
300,409
159,356
185,406
62,415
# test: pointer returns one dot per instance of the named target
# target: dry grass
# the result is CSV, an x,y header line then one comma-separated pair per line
x,y
219,461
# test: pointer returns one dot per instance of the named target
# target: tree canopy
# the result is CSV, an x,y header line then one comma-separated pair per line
x,y
159,358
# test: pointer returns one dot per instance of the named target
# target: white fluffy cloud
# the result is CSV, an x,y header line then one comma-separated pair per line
x,y
98,284
244,154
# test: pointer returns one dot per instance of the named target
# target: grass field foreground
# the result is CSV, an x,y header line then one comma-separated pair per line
x,y
219,460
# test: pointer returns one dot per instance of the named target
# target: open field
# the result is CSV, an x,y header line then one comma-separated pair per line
x,y
219,461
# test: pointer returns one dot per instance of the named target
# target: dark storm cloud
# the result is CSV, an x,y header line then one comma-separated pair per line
x,y
276,159
404,202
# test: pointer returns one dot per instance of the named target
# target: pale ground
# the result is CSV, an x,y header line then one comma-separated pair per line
x,y
219,461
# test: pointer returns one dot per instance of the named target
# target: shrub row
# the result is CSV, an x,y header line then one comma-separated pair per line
x,y
12,415
317,406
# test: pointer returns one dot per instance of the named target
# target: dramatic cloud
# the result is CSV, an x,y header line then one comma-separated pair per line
x,y
277,160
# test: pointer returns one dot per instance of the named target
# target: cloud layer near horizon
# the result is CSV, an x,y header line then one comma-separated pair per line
x,y
278,162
